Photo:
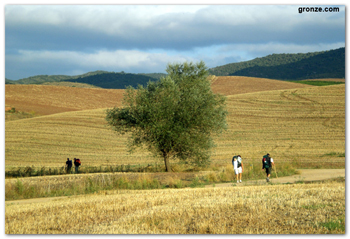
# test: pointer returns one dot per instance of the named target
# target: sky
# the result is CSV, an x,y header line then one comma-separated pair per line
x,y
73,39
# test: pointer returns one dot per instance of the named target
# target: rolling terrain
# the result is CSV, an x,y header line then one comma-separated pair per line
x,y
47,99
312,65
234,85
291,121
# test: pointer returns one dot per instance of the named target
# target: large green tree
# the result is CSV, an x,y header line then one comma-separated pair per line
x,y
175,117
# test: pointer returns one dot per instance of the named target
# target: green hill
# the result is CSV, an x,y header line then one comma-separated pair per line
x,y
103,79
40,79
8,81
112,80
324,64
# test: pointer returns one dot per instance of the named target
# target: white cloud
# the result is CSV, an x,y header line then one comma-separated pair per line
x,y
119,59
144,38
106,18
121,19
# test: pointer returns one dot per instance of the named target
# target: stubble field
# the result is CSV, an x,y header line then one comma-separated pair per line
x,y
293,122
304,124
274,209
48,99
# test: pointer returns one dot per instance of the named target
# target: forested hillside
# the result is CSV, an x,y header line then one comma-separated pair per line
x,y
103,79
325,64
114,80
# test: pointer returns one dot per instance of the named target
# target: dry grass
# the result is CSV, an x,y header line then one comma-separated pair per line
x,y
302,125
233,85
273,209
60,181
49,140
305,124
45,99
292,124
71,84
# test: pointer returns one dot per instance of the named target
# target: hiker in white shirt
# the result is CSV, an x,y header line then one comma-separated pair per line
x,y
238,167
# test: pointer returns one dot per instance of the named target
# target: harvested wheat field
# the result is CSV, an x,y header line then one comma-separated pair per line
x,y
317,208
45,99
305,124
49,140
233,85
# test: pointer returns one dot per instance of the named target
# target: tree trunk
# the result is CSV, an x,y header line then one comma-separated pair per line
x,y
166,161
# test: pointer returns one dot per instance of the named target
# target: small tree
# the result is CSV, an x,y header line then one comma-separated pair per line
x,y
174,117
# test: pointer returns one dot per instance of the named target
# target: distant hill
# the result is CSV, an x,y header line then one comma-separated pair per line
x,y
315,65
102,79
40,79
112,80
324,64
8,81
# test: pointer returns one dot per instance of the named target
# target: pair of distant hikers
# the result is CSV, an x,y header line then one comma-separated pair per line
x,y
69,165
267,163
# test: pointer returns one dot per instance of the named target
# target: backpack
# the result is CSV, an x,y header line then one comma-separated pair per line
x,y
239,162
234,157
78,162
266,161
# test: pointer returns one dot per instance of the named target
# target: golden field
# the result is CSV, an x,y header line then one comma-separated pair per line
x,y
233,85
293,122
47,99
305,123
273,209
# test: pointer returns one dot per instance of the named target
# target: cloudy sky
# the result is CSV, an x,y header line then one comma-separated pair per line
x,y
75,39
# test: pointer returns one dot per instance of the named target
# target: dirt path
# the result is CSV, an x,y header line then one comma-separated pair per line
x,y
305,175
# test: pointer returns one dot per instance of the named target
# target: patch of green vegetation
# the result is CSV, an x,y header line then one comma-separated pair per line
x,y
315,207
13,114
319,83
196,183
43,171
334,154
22,190
334,225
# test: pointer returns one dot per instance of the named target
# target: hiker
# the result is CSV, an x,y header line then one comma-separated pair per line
x,y
68,165
267,162
77,163
238,167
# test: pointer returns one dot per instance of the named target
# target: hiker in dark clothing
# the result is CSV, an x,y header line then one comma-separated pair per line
x,y
76,164
69,165
267,162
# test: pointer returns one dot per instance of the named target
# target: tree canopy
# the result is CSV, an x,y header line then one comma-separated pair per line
x,y
174,117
